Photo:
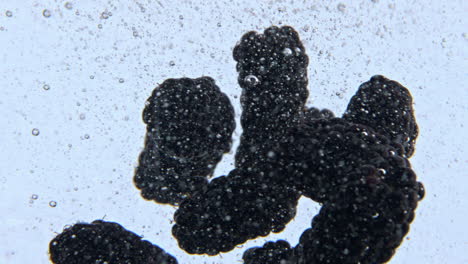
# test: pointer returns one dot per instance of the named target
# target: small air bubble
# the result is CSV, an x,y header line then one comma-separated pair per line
x,y
251,80
46,87
86,136
171,63
52,203
46,13
99,26
346,251
121,80
34,196
271,154
375,215
68,5
8,13
91,77
82,116
287,51
104,15
35,132
382,171
341,7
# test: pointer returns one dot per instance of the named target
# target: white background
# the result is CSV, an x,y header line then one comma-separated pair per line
x,y
100,72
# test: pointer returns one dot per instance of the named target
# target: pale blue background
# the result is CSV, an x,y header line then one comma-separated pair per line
x,y
422,44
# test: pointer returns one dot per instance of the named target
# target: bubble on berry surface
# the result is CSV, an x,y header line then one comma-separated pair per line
x,y
251,80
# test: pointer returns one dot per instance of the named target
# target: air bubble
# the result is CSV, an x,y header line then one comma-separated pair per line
x,y
171,63
341,7
104,15
46,87
35,132
251,80
46,13
86,136
8,13
121,80
68,5
82,116
34,196
287,52
52,203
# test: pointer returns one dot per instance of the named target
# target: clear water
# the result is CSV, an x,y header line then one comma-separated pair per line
x,y
74,77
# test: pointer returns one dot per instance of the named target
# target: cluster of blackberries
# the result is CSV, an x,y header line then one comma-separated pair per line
x,y
356,166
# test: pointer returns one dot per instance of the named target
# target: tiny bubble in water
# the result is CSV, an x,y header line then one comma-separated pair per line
x,y
68,5
341,7
121,80
8,13
46,87
34,196
91,77
86,136
171,63
104,15
35,132
46,13
82,116
52,203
